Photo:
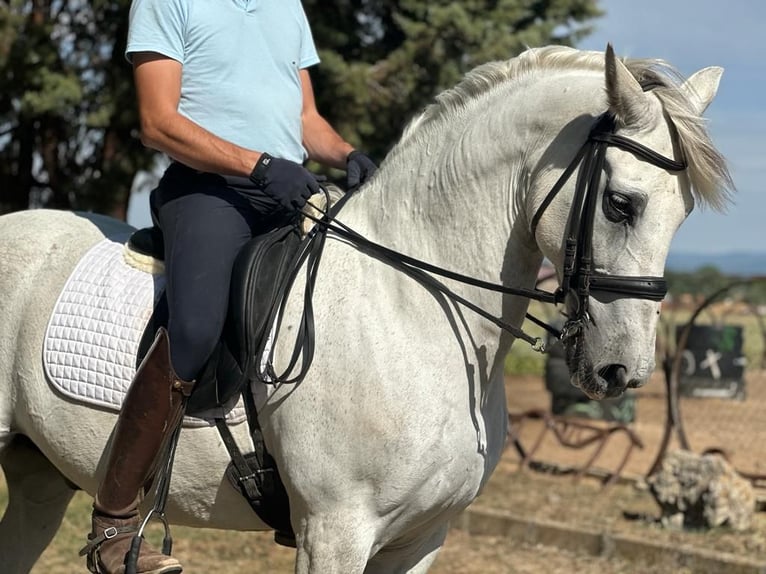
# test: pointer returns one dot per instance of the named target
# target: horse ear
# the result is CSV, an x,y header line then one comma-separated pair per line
x,y
702,86
627,101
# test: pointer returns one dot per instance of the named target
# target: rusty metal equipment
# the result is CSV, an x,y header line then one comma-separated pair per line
x,y
672,369
572,433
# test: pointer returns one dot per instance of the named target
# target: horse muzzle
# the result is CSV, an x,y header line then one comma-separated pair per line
x,y
602,382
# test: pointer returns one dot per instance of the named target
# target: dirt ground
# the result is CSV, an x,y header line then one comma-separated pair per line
x,y
622,508
525,493
205,551
738,428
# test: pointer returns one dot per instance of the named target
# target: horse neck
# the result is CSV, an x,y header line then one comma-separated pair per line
x,y
456,193
420,205
466,234
456,229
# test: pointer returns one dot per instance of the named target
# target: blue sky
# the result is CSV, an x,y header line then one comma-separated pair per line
x,y
693,34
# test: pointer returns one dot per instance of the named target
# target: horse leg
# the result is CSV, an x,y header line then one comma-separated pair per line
x,y
331,544
415,557
38,495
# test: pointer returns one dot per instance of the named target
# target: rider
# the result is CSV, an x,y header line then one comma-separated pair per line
x,y
223,89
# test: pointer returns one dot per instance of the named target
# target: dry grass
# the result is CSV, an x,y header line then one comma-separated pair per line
x,y
526,494
204,551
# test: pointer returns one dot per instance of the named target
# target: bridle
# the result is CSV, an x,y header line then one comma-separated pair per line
x,y
579,278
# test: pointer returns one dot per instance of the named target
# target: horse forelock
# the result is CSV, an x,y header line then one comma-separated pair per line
x,y
707,170
708,173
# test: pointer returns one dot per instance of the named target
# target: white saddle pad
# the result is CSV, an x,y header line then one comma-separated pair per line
x,y
94,332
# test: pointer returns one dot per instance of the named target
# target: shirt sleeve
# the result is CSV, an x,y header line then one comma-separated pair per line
x,y
157,26
309,56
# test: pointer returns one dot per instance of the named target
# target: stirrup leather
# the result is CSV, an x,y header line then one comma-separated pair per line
x,y
92,547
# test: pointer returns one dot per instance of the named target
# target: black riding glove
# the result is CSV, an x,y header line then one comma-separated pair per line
x,y
288,183
359,169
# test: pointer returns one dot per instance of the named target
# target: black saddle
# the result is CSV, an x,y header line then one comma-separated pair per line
x,y
259,271
148,241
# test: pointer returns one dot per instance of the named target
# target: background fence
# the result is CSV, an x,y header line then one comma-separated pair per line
x,y
707,394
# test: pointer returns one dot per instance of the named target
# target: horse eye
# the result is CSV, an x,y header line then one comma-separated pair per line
x,y
618,208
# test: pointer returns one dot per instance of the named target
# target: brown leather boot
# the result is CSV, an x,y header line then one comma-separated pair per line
x,y
152,410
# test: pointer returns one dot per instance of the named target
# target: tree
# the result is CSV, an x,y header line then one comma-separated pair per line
x,y
67,109
384,61
68,119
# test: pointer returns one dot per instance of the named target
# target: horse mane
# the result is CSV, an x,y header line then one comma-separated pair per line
x,y
707,171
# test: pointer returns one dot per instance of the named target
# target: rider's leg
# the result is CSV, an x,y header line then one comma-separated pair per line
x,y
205,224
153,407
204,228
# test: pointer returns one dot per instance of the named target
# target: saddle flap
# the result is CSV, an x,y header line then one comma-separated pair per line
x,y
257,276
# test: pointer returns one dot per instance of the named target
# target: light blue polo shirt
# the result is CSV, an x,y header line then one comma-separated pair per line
x,y
240,65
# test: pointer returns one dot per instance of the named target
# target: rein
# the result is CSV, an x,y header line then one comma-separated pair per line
x,y
578,279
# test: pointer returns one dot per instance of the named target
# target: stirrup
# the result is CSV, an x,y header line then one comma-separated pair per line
x,y
160,500
131,558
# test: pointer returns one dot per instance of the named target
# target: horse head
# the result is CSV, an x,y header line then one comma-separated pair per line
x,y
644,162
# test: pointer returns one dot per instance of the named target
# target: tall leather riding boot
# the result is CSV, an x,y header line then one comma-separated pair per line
x,y
152,410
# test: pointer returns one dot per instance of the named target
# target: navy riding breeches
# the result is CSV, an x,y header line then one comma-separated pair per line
x,y
206,219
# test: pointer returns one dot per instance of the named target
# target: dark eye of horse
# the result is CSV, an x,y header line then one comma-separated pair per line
x,y
618,208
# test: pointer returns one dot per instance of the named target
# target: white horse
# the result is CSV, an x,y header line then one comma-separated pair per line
x,y
402,417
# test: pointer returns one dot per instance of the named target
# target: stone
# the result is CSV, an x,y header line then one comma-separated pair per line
x,y
705,489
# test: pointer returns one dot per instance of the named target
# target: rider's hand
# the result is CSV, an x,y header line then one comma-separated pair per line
x,y
359,169
287,182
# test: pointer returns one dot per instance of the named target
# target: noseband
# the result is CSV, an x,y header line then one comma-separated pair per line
x,y
579,278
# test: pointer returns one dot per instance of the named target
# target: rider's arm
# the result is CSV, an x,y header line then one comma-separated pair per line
x,y
158,86
321,141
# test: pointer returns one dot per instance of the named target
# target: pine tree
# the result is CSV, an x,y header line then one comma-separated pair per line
x,y
68,119
382,62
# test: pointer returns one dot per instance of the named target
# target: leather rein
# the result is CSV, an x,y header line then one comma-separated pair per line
x,y
579,278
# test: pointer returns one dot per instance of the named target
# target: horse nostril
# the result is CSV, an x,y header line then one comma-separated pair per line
x,y
636,383
615,375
